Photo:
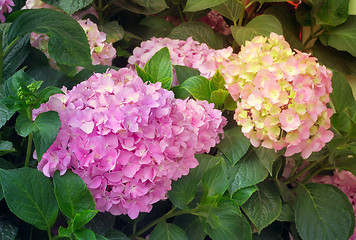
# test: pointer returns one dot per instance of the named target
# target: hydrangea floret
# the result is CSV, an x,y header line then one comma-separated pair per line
x,y
5,6
128,139
281,96
188,53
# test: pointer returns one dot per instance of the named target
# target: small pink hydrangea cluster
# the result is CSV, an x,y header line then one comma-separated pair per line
x,y
281,96
36,4
127,139
188,53
5,6
344,180
101,51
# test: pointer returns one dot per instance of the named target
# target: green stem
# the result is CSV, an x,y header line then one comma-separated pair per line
x,y
304,170
100,12
180,13
10,46
309,39
29,143
168,215
316,172
242,13
50,237
134,227
29,147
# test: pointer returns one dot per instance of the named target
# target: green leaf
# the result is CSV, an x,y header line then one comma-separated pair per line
x,y
84,234
287,213
50,77
234,145
184,72
191,225
230,9
13,84
197,5
5,165
45,129
155,26
180,92
142,6
350,209
24,125
247,172
69,6
167,231
199,87
16,56
218,97
214,183
160,68
72,194
342,37
232,225
146,77
264,206
339,60
352,7
217,81
349,165
44,95
64,232
341,95
230,103
8,231
304,14
261,25
266,157
114,234
200,32
114,32
101,223
321,213
241,195
332,12
68,43
5,114
206,162
83,217
69,71
183,191
6,147
29,195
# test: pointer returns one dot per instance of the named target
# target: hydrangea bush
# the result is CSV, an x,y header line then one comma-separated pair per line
x,y
179,120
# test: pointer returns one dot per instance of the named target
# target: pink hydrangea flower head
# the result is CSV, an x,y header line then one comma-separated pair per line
x,y
5,6
281,96
127,139
188,53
